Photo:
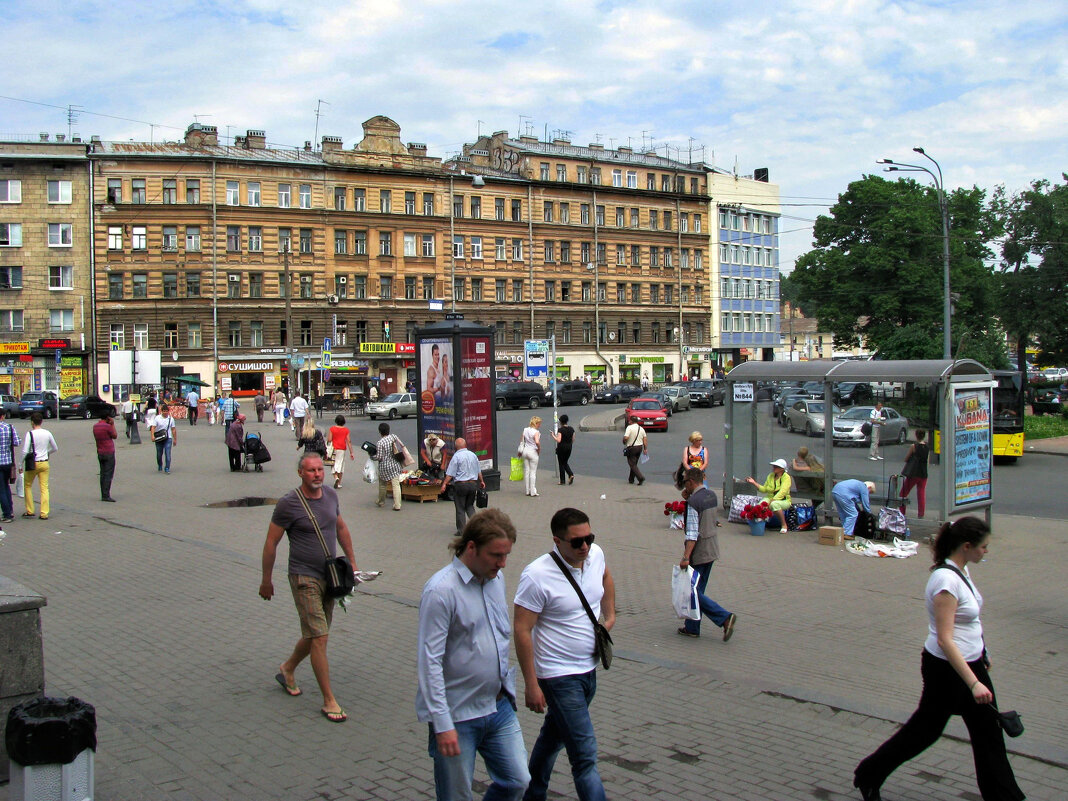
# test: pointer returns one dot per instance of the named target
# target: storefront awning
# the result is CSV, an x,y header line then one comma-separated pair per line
x,y
188,379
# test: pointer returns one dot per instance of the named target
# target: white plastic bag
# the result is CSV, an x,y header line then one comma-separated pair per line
x,y
20,484
643,458
370,472
684,593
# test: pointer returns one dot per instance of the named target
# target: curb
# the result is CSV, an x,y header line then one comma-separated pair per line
x,y
601,421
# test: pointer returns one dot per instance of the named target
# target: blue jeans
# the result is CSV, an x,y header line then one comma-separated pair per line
x,y
6,509
500,741
567,725
716,613
163,449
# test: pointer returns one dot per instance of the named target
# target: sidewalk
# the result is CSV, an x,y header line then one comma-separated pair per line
x,y
153,617
1057,446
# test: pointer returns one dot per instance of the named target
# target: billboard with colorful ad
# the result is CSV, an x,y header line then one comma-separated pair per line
x,y
437,405
972,445
476,386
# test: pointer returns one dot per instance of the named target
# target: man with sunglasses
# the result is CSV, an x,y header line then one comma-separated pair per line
x,y
554,641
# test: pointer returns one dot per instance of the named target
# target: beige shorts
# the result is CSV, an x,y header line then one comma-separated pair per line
x,y
314,609
339,462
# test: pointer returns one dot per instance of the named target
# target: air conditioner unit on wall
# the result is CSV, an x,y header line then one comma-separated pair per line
x,y
332,299
342,279
234,279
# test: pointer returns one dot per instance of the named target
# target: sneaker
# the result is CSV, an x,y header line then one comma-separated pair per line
x,y
728,626
7,519
108,500
873,458
879,458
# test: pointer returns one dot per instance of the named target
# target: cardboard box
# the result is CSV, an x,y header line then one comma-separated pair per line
x,y
830,535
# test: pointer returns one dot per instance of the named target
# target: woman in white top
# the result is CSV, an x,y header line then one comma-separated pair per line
x,y
43,445
529,452
954,669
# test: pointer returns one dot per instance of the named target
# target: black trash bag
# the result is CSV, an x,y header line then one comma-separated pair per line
x,y
50,731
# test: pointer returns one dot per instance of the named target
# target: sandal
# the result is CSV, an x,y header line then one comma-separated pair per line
x,y
335,717
291,689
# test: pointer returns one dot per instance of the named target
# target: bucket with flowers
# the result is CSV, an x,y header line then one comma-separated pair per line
x,y
757,516
675,511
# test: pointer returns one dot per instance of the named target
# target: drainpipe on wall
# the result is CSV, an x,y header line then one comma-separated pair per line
x,y
215,283
93,366
596,294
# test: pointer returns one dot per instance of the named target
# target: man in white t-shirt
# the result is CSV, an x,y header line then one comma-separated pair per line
x,y
298,410
877,419
635,443
554,641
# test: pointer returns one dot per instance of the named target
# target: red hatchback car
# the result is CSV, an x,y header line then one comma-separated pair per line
x,y
647,412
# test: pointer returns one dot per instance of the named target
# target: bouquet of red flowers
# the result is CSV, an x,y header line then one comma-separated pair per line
x,y
755,512
674,507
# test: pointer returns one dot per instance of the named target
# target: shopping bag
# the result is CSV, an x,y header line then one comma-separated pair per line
x,y
370,472
892,521
643,458
739,502
517,469
20,484
684,593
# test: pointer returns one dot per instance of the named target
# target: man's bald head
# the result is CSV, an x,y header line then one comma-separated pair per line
x,y
461,443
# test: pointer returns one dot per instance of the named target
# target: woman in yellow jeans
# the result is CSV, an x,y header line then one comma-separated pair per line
x,y
43,444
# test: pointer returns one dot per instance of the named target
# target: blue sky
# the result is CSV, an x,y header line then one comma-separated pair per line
x,y
812,89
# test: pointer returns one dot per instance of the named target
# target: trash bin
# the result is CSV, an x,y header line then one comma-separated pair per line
x,y
51,742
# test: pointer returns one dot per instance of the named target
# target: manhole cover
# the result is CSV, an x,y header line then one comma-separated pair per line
x,y
237,502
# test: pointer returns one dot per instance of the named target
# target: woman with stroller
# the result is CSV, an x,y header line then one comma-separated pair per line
x,y
235,442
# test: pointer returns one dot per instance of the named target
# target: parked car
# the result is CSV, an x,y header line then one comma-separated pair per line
x,y
10,404
396,404
86,406
649,413
617,393
520,393
707,392
809,416
45,402
852,393
784,401
1055,373
574,391
847,426
679,397
656,395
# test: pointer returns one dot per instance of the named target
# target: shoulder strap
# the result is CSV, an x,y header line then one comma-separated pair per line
x,y
585,603
314,520
960,573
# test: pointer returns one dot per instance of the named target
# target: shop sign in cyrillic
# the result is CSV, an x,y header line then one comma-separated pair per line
x,y
14,347
245,367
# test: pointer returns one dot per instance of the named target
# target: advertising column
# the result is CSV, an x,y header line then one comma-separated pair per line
x,y
973,452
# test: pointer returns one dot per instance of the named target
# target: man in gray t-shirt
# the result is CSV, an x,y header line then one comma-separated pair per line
x,y
306,573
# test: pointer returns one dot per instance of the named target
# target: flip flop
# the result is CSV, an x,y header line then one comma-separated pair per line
x,y
335,717
290,690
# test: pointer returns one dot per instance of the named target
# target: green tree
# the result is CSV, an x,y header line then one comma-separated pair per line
x,y
876,269
1033,285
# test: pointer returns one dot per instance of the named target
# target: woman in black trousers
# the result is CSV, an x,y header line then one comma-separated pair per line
x,y
954,669
565,438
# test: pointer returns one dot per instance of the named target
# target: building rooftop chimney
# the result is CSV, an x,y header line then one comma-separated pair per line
x,y
417,148
255,140
197,135
331,144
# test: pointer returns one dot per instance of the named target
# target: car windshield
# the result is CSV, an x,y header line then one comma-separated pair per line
x,y
393,397
646,405
818,408
857,413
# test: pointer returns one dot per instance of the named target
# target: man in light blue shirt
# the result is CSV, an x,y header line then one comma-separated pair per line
x,y
466,688
466,475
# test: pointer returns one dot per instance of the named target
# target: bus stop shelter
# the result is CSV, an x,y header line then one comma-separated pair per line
x,y
950,399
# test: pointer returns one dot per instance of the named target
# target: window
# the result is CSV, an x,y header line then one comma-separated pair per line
x,y
170,237
654,294
409,245
339,198
517,249
385,201
550,291
621,254
305,240
385,287
115,286
517,333
233,285
457,247
285,196
476,289
697,223
724,219
634,218
137,190
285,240
305,333
60,191
458,206
61,235
476,247
139,237
114,237
668,257
255,239
587,291
654,220
684,222
665,183
547,211
255,285
255,328
192,190
341,242
565,252
621,214
602,250
621,332
305,196
118,336
233,193
602,289
667,220
476,207
654,256
10,277
233,238
360,333
550,251
635,293
584,249
63,320
550,329
517,290
385,243
565,292
656,333
409,202
341,286
587,332
725,323
359,287
684,258
428,204
458,288
499,248
567,331
192,286
170,336
428,244
684,294
11,191
565,212
409,291
584,213
617,177
561,173
359,200
632,179
428,287
306,285
544,171
599,216
580,174
697,294
517,210
498,333
235,333
669,292
501,290
170,285
635,255
621,293
114,190
11,320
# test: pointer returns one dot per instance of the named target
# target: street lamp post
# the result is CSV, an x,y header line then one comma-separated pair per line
x,y
898,166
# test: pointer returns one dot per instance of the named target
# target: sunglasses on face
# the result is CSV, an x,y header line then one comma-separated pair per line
x,y
578,542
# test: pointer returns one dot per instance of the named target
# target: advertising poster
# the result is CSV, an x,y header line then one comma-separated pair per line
x,y
436,400
476,378
972,446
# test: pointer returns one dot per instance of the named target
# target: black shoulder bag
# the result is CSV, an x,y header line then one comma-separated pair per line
x,y
1010,721
602,648
340,580
30,461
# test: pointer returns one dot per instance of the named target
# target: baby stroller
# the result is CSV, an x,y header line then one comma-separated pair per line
x,y
255,453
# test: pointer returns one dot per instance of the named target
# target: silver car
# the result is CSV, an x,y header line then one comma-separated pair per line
x,y
679,397
396,404
808,416
848,426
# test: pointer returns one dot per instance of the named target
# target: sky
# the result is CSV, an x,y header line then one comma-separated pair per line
x,y
814,90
